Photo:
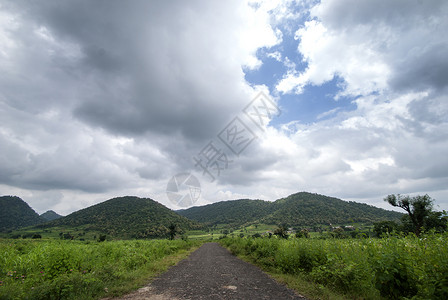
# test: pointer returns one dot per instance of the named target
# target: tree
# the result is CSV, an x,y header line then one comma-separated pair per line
x,y
418,208
338,232
304,233
437,220
384,227
282,232
173,230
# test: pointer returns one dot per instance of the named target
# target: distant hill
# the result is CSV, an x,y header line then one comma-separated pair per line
x,y
312,209
16,213
50,215
124,217
233,213
301,209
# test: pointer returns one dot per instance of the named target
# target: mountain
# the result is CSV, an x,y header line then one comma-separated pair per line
x,y
312,209
124,217
233,213
50,215
16,213
300,209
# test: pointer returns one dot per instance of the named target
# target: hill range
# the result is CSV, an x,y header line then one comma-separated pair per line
x,y
300,209
133,217
16,213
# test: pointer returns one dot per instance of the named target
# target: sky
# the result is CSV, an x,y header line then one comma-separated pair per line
x,y
194,102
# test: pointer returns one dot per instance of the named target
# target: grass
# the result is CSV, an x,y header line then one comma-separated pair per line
x,y
55,269
392,268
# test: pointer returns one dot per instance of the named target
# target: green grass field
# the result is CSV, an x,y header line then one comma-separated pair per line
x,y
390,268
65,269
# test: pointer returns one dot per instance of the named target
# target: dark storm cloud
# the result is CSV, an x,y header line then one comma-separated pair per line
x,y
139,71
409,35
427,68
104,95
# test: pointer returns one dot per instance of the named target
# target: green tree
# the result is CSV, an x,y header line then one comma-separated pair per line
x,y
304,233
418,208
281,232
338,232
437,220
384,227
172,230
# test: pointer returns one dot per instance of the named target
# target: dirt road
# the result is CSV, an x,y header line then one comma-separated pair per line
x,y
212,272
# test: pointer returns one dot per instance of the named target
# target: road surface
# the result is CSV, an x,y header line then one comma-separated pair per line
x,y
212,272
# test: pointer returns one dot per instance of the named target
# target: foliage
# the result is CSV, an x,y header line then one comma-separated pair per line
x,y
233,213
50,215
281,232
16,213
124,217
420,215
173,230
57,269
392,267
385,227
303,233
301,209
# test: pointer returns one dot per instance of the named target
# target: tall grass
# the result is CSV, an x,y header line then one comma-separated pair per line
x,y
393,267
56,269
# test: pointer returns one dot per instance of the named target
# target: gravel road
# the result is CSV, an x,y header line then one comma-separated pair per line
x,y
212,272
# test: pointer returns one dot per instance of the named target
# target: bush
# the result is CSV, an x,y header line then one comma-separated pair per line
x,y
67,269
393,267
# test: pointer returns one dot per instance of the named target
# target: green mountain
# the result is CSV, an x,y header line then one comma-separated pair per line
x,y
312,209
50,215
301,209
124,217
16,213
233,213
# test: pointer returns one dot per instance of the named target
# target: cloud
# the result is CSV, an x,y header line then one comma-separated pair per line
x,y
391,57
373,45
99,100
99,97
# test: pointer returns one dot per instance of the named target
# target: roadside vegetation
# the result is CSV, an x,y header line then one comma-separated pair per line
x,y
393,267
378,255
68,269
407,260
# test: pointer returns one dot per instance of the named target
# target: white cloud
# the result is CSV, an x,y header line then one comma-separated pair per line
x,y
116,103
392,56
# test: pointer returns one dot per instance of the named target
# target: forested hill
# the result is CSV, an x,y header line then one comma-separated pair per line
x,y
16,213
233,213
301,209
50,215
312,209
125,217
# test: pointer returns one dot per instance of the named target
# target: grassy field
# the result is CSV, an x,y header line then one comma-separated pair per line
x,y
391,268
60,269
222,230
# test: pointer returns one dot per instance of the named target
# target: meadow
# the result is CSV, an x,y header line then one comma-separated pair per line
x,y
68,269
393,267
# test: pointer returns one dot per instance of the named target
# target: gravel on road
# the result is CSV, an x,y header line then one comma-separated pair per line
x,y
212,272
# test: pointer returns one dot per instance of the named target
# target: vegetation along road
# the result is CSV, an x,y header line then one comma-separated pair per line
x,y
212,272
